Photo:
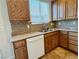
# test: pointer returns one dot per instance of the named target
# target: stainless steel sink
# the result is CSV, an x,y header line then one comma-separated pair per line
x,y
47,30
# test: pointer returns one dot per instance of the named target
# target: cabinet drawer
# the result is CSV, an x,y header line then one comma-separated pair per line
x,y
73,33
63,32
18,44
75,42
73,38
51,33
73,47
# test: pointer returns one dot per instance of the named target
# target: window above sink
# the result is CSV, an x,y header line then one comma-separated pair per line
x,y
39,11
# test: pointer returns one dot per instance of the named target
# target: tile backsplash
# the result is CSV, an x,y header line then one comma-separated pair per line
x,y
68,24
18,27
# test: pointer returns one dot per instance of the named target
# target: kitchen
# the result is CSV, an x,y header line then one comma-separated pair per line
x,y
38,29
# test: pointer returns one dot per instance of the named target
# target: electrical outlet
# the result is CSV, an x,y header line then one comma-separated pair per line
x,y
28,26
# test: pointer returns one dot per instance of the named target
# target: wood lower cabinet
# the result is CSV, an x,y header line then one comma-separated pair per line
x,y
20,49
63,39
48,44
55,40
69,40
51,41
73,48
73,41
20,53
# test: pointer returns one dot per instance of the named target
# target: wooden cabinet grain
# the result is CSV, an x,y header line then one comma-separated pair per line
x,y
63,39
73,41
20,49
69,40
73,48
76,8
48,44
64,9
58,9
20,53
70,9
51,41
61,9
54,10
55,40
18,9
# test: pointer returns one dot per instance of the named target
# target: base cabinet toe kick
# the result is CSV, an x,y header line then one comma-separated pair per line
x,y
38,46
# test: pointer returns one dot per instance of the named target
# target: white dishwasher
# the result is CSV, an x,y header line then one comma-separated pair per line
x,y
35,47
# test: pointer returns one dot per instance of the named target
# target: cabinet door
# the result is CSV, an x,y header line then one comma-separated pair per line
x,y
73,48
18,9
11,9
22,9
71,8
73,40
48,44
21,53
55,10
64,40
61,9
55,41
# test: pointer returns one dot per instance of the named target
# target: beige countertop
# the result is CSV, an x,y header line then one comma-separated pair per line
x,y
33,34
25,36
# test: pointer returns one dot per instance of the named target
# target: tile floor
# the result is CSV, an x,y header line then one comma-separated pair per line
x,y
60,53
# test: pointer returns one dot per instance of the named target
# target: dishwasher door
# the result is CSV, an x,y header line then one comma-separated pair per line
x,y
35,47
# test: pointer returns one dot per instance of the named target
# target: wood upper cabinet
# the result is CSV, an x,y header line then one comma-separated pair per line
x,y
64,9
63,39
54,8
18,9
20,49
76,8
71,9
58,9
51,41
61,9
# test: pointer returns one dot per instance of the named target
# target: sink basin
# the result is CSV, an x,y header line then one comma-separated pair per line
x,y
48,30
